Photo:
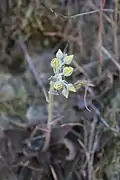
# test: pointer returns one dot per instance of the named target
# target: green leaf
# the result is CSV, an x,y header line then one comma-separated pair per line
x,y
67,71
71,87
68,59
59,54
65,92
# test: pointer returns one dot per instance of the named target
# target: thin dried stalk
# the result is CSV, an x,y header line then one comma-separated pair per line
x,y
102,2
90,149
115,31
32,68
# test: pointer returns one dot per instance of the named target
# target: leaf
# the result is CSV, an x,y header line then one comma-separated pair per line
x,y
17,136
67,71
71,87
68,59
59,133
65,92
59,54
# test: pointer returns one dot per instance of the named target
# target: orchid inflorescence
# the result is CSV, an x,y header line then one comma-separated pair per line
x,y
62,69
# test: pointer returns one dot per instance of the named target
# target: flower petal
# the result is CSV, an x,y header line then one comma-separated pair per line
x,y
65,92
71,87
67,71
59,54
68,59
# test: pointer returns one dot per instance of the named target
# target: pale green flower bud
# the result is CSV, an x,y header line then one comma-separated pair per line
x,y
68,59
58,85
67,71
55,63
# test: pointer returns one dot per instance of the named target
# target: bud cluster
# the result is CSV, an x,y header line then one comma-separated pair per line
x,y
62,69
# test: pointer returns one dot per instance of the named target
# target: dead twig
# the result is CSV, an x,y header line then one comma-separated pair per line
x,y
102,3
80,14
32,68
90,148
108,54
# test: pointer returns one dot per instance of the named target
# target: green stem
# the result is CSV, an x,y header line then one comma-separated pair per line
x,y
50,106
50,116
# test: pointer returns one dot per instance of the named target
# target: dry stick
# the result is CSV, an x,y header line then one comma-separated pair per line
x,y
53,172
110,56
77,15
100,34
60,34
85,98
105,16
86,152
91,12
80,14
115,31
104,122
90,148
32,68
95,144
114,60
81,69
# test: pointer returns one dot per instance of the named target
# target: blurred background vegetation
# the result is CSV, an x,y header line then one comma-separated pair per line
x,y
89,29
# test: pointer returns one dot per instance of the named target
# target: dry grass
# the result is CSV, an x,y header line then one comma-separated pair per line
x,y
90,30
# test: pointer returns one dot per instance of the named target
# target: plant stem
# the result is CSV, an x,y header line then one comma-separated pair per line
x,y
50,106
50,115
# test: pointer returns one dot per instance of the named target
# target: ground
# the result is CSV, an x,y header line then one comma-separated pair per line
x,y
85,136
